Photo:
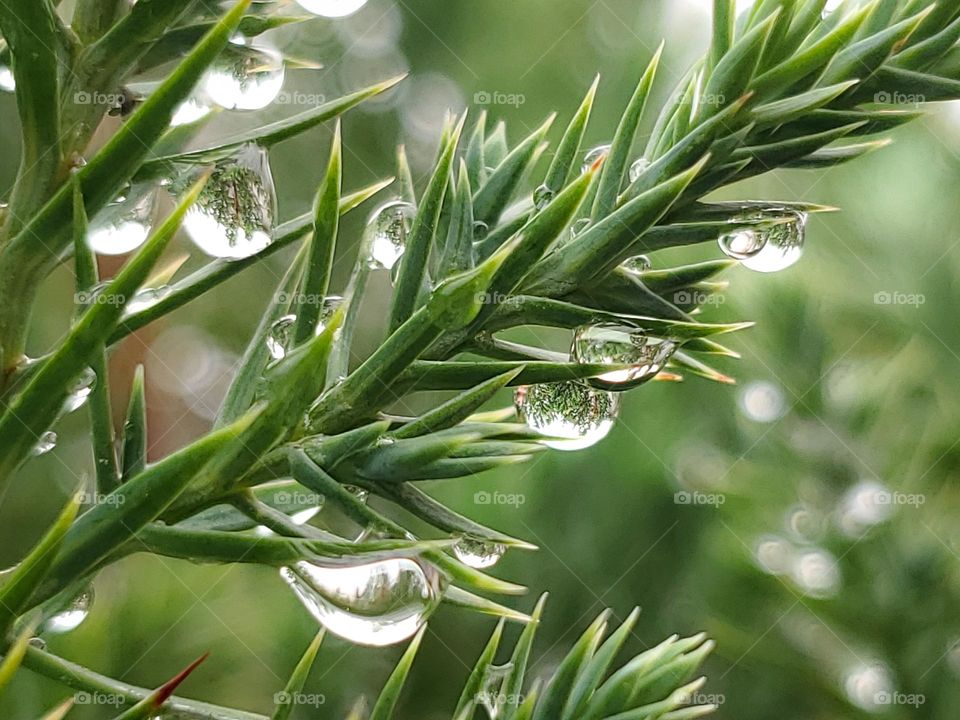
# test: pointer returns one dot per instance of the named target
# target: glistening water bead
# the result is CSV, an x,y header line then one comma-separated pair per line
x,y
233,217
385,236
332,8
378,603
70,617
478,553
280,336
570,414
611,344
245,77
768,240
593,155
123,225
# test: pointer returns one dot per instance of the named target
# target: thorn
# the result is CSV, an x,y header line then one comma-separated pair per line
x,y
163,693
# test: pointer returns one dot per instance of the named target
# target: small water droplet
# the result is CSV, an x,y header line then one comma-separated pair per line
x,y
79,390
331,303
637,264
762,402
379,603
358,492
280,335
39,643
46,443
816,573
542,197
7,82
610,344
774,555
234,215
866,504
574,415
767,240
145,298
805,523
332,8
386,233
867,685
72,615
637,168
245,77
579,226
477,553
480,230
124,224
593,155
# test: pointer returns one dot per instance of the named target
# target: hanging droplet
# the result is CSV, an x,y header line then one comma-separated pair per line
x,y
610,344
767,240
542,197
637,264
593,155
124,224
637,168
194,108
145,298
579,226
332,8
331,303
234,215
869,686
386,233
571,414
46,443
774,555
7,82
72,615
380,603
816,573
478,553
762,402
280,336
79,390
245,77
491,693
866,504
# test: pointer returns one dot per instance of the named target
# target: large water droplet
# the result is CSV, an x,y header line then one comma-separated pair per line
x,y
7,83
79,390
46,443
245,77
576,415
386,233
593,155
72,615
609,344
868,686
637,168
234,215
124,224
332,8
280,336
380,603
767,240
762,402
478,553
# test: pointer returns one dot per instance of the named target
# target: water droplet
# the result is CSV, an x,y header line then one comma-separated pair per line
x,y
386,233
79,390
72,615
190,110
480,230
379,603
572,413
805,523
46,443
491,693
867,684
609,344
637,168
124,224
766,240
816,573
637,264
542,197
593,155
358,492
280,336
39,643
774,555
145,298
332,8
762,402
830,8
866,504
331,304
233,217
245,77
7,83
579,226
478,553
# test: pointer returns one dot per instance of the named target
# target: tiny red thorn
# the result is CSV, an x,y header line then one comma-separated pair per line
x,y
163,693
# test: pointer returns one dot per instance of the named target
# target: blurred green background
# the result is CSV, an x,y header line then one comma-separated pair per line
x,y
805,518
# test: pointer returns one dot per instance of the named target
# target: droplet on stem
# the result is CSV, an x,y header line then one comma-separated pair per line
x,y
123,225
767,240
46,443
386,233
611,344
244,77
478,553
570,414
72,615
332,8
593,155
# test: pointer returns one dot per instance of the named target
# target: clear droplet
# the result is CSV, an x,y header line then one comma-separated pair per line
x,y
245,77
867,685
7,83
480,230
610,344
542,197
774,555
79,390
124,224
491,693
358,492
593,155
816,573
280,336
572,414
190,110
866,504
762,402
636,168
766,240
332,8
386,233
331,304
234,215
805,523
72,615
379,603
39,643
579,226
478,553
145,298
637,264
46,443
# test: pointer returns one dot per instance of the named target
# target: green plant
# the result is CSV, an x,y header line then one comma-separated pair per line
x,y
782,86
